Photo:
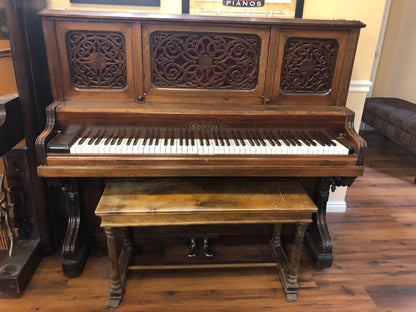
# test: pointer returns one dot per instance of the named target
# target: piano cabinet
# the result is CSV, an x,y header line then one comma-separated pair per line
x,y
139,95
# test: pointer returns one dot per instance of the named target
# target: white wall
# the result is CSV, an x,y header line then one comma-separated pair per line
x,y
397,66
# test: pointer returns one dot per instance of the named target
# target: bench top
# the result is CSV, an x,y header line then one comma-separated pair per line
x,y
176,201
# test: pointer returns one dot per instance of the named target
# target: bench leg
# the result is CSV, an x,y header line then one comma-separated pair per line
x,y
118,267
288,270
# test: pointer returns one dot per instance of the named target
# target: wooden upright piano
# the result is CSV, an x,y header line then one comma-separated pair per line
x,y
152,95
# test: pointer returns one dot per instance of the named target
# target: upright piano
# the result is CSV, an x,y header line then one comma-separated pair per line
x,y
145,95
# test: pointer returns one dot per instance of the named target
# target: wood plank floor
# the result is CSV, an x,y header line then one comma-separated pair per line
x,y
374,267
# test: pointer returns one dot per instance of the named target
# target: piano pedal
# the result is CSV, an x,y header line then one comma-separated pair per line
x,y
194,248
207,249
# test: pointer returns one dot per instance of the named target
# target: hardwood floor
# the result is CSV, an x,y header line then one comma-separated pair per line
x,y
374,267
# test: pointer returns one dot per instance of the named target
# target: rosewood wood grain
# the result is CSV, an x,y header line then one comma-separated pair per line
x,y
164,201
188,72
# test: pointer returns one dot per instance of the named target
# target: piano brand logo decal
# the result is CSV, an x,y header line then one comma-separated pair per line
x,y
203,125
243,4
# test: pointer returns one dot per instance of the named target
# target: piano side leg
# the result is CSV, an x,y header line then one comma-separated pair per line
x,y
317,235
74,249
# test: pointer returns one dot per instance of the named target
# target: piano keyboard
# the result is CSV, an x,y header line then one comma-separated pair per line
x,y
217,143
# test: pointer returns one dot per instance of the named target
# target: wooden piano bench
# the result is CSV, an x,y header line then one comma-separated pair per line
x,y
195,201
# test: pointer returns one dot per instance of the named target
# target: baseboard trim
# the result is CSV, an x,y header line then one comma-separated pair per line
x,y
360,86
336,206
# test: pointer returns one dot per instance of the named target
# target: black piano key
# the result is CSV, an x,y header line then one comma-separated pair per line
x,y
296,141
181,138
207,139
113,140
260,139
227,141
82,140
91,140
157,137
222,143
107,141
214,134
172,137
166,137
239,136
287,142
235,138
201,139
275,140
146,136
306,142
192,139
250,139
136,137
187,138
269,139
151,138
100,136
332,142
321,142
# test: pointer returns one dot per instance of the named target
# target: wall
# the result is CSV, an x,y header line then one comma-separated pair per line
x,y
396,70
7,85
368,12
166,7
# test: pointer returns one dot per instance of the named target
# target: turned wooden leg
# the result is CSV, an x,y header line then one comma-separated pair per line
x,y
276,234
116,286
296,253
288,269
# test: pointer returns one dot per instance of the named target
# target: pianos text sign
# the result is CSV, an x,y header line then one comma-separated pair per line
x,y
243,4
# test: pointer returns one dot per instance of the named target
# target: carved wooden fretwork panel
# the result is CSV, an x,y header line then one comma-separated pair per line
x,y
97,59
204,60
308,65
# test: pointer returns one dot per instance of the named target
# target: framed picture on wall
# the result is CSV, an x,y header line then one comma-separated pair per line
x,y
250,8
122,2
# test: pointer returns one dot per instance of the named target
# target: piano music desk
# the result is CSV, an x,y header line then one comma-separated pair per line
x,y
195,201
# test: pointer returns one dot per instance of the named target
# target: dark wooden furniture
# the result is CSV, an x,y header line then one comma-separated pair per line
x,y
121,76
11,127
23,117
184,201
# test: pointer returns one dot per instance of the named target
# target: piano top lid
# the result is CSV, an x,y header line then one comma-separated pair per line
x,y
335,23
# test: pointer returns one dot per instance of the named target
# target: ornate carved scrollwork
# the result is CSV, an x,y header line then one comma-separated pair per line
x,y
317,236
204,60
97,59
308,65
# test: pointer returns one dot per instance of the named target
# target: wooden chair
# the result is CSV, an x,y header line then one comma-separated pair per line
x,y
194,201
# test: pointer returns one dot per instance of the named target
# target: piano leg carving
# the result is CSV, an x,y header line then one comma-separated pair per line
x,y
317,235
74,249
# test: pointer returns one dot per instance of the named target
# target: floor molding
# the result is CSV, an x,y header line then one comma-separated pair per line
x,y
336,206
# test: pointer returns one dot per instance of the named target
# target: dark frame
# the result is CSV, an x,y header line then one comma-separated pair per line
x,y
122,2
298,11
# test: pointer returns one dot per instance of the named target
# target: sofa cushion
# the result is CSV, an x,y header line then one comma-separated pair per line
x,y
393,111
